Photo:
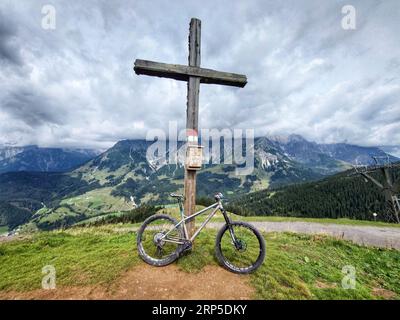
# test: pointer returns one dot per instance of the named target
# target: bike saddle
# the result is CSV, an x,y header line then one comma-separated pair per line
x,y
174,195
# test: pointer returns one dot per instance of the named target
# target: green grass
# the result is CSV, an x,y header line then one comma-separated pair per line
x,y
310,267
3,229
81,257
296,266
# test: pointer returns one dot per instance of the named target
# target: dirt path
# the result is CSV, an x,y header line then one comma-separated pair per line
x,y
146,282
384,237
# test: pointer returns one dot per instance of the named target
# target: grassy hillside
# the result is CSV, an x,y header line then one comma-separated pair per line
x,y
296,267
11,215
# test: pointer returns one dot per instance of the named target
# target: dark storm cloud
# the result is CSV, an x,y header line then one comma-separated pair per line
x,y
31,108
75,85
9,50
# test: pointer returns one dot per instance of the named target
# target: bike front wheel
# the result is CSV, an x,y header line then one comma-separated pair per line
x,y
240,247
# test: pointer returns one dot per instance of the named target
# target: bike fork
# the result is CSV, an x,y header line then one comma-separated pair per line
x,y
228,222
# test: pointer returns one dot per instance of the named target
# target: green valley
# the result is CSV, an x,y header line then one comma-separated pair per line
x,y
122,178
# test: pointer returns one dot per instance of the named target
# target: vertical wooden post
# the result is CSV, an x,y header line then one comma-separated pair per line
x,y
192,114
193,77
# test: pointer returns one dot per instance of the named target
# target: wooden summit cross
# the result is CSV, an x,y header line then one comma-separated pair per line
x,y
193,75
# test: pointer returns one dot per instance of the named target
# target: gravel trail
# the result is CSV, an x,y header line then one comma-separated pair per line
x,y
384,237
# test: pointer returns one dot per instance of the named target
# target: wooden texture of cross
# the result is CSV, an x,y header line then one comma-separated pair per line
x,y
193,75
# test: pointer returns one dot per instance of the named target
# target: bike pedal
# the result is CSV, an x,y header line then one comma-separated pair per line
x,y
186,248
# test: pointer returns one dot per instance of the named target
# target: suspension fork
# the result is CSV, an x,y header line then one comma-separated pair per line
x,y
228,223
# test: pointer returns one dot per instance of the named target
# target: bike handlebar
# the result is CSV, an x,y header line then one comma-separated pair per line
x,y
218,196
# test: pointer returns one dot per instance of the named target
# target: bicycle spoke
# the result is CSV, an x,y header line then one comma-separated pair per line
x,y
245,251
153,242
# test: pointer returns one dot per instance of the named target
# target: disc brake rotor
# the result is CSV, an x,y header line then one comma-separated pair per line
x,y
241,246
158,239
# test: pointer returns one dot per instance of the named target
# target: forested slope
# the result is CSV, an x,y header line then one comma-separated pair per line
x,y
338,196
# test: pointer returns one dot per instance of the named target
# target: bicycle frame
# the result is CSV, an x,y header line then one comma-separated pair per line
x,y
216,206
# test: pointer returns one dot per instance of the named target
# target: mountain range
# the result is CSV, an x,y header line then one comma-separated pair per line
x,y
34,158
91,184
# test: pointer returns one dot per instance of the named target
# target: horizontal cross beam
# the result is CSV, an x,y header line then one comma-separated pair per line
x,y
182,73
368,177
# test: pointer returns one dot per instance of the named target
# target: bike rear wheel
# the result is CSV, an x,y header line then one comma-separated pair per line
x,y
246,253
152,247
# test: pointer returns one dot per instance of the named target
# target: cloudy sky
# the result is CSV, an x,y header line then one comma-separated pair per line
x,y
74,85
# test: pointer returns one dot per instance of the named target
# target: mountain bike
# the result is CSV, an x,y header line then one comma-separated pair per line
x,y
239,247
